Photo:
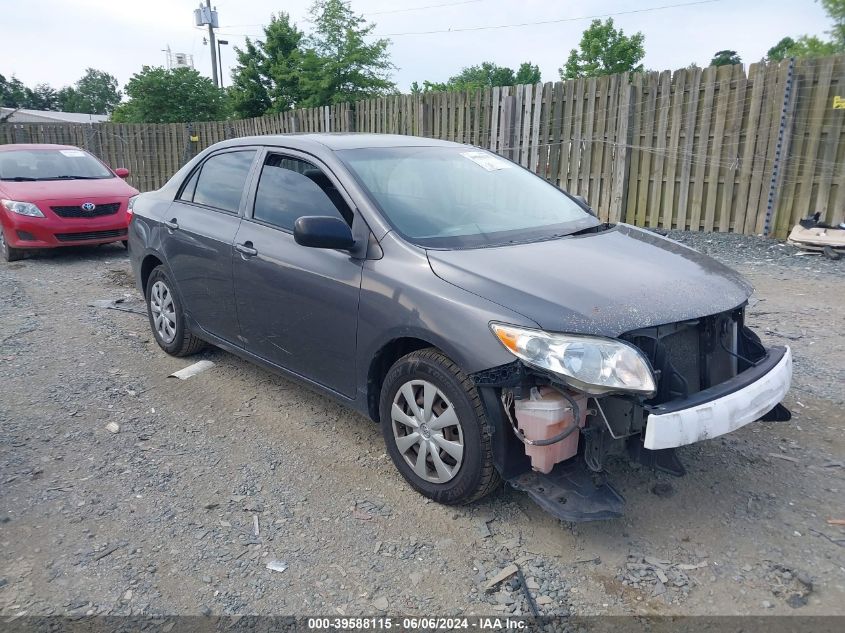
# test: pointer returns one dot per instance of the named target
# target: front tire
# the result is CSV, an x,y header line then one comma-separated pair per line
x,y
167,318
7,253
436,430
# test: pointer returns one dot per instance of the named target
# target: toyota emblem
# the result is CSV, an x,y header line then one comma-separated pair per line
x,y
88,206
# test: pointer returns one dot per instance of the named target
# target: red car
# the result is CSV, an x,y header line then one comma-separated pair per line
x,y
59,195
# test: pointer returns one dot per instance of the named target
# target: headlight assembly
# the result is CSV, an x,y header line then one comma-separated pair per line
x,y
22,208
590,364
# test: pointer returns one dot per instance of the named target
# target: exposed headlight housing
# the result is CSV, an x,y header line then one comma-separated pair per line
x,y
22,208
591,364
130,207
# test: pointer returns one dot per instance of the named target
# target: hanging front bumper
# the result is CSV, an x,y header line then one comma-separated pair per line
x,y
722,408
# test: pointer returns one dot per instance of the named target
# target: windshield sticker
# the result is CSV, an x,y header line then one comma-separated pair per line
x,y
72,153
490,162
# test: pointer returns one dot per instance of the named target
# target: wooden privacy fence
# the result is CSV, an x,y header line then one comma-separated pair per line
x,y
700,149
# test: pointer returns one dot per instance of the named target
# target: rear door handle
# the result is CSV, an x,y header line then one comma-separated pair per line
x,y
246,249
172,225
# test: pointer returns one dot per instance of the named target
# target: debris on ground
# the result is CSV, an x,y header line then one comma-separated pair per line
x,y
115,304
113,427
192,370
786,458
506,573
277,565
815,236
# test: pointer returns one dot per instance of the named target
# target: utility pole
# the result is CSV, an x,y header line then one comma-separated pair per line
x,y
212,45
208,16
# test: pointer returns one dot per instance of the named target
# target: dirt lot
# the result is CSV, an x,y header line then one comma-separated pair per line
x,y
159,517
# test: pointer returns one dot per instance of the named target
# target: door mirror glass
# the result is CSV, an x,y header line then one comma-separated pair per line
x,y
318,231
121,172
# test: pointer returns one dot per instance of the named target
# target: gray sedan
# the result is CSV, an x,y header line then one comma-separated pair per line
x,y
489,322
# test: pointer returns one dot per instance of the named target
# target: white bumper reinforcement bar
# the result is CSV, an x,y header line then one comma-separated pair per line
x,y
722,415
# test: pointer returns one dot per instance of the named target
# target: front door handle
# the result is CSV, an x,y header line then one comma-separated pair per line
x,y
246,249
172,225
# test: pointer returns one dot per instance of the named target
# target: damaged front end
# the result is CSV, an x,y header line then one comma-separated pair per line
x,y
711,375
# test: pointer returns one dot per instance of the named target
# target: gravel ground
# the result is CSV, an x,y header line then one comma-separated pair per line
x,y
123,491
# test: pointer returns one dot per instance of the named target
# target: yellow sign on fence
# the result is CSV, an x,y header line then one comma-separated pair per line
x,y
839,103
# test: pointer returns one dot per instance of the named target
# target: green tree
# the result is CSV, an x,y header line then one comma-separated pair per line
x,y
44,97
266,78
804,46
483,75
836,11
812,45
14,94
339,64
725,58
528,73
94,93
179,95
781,50
604,50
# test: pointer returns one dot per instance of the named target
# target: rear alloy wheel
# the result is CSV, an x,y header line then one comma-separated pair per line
x,y
436,430
166,318
8,253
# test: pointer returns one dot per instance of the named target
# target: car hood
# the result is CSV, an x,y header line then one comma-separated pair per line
x,y
43,190
604,283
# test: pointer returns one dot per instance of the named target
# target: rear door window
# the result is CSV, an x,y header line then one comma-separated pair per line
x,y
221,181
290,188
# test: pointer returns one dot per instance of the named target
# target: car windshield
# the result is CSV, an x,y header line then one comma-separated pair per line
x,y
50,164
462,197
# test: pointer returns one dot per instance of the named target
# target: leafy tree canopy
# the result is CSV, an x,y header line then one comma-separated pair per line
x,y
287,69
157,95
725,58
95,93
339,65
604,50
266,78
812,45
836,10
484,75
14,94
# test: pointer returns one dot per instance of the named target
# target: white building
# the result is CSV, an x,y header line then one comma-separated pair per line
x,y
47,116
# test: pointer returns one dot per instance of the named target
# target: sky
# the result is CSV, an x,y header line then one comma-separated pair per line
x,y
53,41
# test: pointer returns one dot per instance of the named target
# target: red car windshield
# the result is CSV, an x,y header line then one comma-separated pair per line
x,y
50,164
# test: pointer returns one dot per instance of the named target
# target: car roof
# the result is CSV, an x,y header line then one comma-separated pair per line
x,y
341,140
19,146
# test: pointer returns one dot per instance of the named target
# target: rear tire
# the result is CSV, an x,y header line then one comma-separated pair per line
x,y
7,253
167,318
446,424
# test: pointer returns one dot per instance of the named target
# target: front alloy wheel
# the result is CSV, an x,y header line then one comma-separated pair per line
x,y
436,430
427,431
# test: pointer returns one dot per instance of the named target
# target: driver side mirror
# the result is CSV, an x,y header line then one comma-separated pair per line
x,y
121,172
317,231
